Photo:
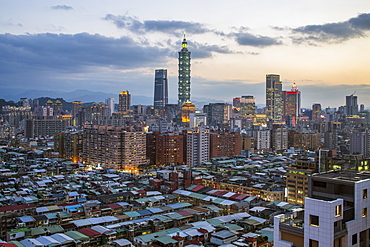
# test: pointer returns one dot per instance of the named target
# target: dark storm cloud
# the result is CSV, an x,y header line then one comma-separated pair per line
x,y
255,40
136,26
334,32
74,53
62,7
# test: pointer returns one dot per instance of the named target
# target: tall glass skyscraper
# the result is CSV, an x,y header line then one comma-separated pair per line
x,y
160,89
274,99
184,73
351,105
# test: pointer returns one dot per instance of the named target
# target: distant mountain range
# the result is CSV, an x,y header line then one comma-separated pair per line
x,y
88,96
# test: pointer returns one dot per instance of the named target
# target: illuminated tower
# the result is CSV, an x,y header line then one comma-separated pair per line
x,y
160,89
124,101
292,105
184,73
274,99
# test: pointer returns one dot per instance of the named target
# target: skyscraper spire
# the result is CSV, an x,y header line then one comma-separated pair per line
x,y
184,73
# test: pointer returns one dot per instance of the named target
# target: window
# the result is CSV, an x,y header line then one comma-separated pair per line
x,y
364,193
338,210
314,243
364,212
314,220
354,239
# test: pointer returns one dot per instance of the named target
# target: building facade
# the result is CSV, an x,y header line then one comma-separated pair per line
x,y
197,146
114,147
225,144
218,113
166,148
335,214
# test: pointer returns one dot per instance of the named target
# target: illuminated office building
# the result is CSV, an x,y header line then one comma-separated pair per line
x,y
291,105
274,101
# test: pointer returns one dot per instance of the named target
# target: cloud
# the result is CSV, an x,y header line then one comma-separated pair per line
x,y
75,52
164,26
205,51
255,40
334,32
62,7
74,60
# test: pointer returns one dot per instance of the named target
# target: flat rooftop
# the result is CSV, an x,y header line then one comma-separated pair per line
x,y
346,175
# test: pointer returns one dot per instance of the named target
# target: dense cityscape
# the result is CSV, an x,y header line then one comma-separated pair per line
x,y
221,174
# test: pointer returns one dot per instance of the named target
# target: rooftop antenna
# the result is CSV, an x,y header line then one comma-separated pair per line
x,y
353,93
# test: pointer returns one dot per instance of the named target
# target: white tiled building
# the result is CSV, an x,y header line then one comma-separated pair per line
x,y
336,213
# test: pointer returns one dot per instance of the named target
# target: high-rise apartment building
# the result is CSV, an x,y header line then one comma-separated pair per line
x,y
359,142
225,144
279,137
351,105
262,139
316,112
69,144
76,108
336,213
165,148
160,89
274,100
124,101
184,73
110,103
197,146
114,147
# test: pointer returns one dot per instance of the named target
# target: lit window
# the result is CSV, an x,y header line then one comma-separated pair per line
x,y
364,193
364,212
338,210
314,220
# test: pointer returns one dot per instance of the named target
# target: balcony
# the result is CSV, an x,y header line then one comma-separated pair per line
x,y
340,231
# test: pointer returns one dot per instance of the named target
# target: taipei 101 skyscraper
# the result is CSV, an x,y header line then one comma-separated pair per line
x,y
184,73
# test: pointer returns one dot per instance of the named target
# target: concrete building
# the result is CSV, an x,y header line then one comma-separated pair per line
x,y
110,103
114,147
166,148
197,146
335,214
124,101
218,113
197,119
360,142
225,144
44,126
69,145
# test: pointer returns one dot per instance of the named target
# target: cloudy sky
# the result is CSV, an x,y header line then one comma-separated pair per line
x,y
108,46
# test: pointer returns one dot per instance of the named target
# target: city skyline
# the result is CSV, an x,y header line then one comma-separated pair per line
x,y
115,47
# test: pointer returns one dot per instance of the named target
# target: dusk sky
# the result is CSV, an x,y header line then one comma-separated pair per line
x,y
109,46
